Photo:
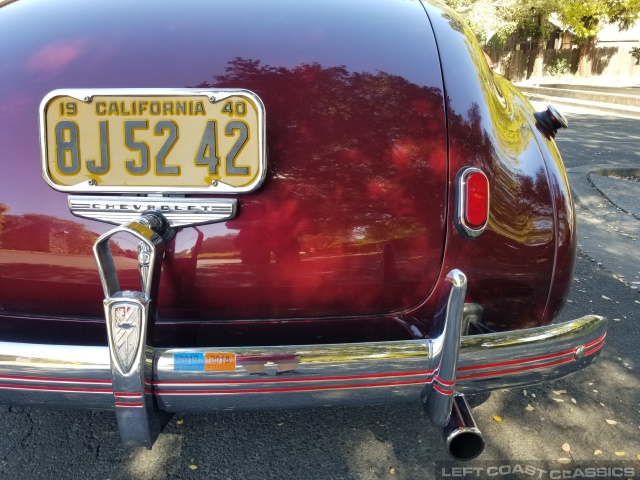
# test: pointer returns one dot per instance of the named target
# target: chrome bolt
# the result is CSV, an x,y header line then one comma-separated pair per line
x,y
92,183
144,258
580,351
86,99
214,183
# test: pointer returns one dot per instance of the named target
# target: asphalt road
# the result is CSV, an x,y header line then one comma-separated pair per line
x,y
388,441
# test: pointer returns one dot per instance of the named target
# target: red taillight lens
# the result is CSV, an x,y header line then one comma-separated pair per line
x,y
476,200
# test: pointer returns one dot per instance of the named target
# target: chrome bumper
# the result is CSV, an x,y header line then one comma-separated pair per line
x,y
144,384
304,375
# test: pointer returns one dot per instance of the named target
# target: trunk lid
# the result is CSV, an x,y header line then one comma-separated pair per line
x,y
351,217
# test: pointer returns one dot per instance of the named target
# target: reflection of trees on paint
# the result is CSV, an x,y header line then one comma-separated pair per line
x,y
519,208
3,209
33,232
348,152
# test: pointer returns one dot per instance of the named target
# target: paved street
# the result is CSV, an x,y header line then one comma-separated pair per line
x,y
603,161
396,441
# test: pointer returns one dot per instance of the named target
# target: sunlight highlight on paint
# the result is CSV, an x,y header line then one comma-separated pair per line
x,y
56,57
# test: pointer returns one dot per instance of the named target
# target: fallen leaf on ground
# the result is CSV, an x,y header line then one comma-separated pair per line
x,y
597,452
392,471
533,395
604,297
638,457
193,467
564,460
279,424
620,454
611,422
559,400
559,392
596,391
573,400
180,422
529,408
566,447
497,418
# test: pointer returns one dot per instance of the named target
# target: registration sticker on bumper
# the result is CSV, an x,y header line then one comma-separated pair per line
x,y
217,361
188,362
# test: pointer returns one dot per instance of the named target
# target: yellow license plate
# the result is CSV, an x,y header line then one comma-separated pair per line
x,y
216,361
181,141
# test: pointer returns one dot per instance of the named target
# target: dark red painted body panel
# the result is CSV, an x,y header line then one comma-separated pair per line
x,y
356,163
355,219
510,267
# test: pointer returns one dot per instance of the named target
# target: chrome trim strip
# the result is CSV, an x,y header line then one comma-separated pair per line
x,y
461,204
213,95
325,375
63,376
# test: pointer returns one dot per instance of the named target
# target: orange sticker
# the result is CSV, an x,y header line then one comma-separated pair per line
x,y
218,361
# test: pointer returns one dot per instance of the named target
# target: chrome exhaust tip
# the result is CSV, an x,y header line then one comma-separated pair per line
x,y
462,437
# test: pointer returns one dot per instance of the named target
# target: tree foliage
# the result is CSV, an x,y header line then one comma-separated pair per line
x,y
487,18
586,17
500,18
503,17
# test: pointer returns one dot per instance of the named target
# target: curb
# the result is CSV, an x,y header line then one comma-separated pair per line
x,y
629,99
613,109
604,170
605,234
631,89
613,171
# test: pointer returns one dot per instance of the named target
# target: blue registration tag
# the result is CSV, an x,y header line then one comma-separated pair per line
x,y
188,361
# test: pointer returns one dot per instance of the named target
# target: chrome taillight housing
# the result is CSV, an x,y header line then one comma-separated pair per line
x,y
472,202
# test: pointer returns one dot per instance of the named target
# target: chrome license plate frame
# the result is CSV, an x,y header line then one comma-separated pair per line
x,y
52,142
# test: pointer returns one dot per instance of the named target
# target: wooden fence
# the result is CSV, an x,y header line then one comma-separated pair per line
x,y
615,62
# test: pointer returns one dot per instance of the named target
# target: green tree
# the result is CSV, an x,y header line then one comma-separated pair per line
x,y
487,18
586,18
500,18
531,16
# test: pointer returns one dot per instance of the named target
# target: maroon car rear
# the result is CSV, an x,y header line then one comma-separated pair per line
x,y
411,236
